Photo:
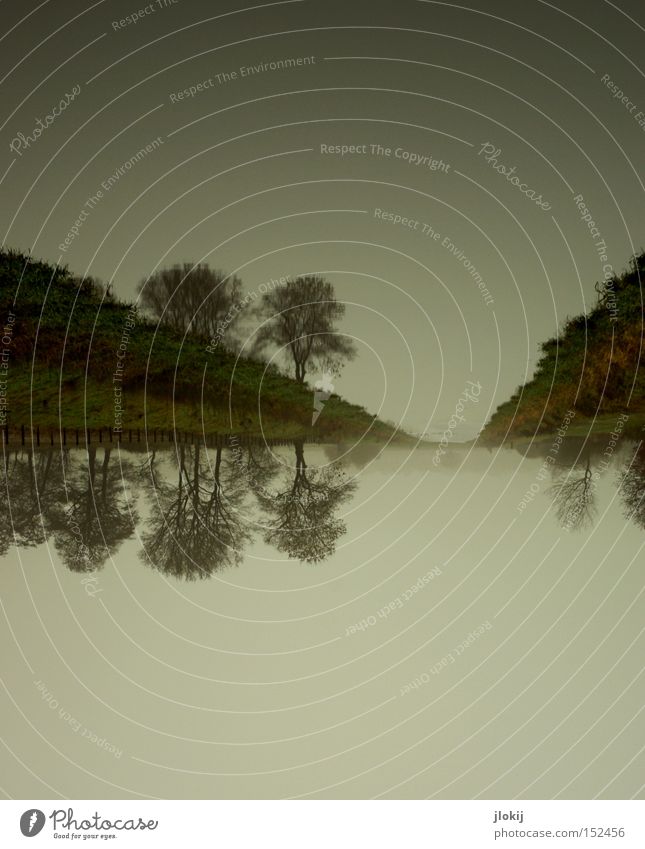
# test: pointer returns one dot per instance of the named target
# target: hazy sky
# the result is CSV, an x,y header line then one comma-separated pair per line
x,y
476,140
243,174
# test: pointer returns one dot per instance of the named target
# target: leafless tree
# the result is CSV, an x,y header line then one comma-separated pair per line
x,y
574,496
302,515
300,318
196,526
632,486
193,297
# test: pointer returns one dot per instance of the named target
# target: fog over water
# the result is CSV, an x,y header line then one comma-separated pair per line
x,y
226,224
447,642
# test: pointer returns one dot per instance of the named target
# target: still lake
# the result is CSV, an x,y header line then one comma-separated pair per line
x,y
323,622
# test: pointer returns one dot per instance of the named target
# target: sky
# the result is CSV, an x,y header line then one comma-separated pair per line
x,y
433,160
464,174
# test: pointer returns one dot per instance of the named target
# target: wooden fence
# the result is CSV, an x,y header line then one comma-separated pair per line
x,y
36,436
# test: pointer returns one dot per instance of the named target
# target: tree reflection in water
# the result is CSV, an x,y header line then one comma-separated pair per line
x,y
632,486
201,505
574,497
196,525
302,516
78,501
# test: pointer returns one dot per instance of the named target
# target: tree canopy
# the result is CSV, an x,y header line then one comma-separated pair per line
x,y
192,297
300,319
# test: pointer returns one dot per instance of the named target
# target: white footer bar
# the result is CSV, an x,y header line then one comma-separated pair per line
x,y
324,824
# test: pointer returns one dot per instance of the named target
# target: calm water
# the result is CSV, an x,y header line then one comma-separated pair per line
x,y
323,622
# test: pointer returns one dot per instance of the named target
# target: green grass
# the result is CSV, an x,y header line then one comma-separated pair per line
x,y
592,366
92,406
64,348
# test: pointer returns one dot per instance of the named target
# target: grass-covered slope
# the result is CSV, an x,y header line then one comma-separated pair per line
x,y
593,367
66,343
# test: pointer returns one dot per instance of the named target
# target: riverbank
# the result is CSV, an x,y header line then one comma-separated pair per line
x,y
591,367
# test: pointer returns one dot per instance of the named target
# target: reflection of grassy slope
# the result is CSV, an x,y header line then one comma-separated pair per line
x,y
592,367
65,339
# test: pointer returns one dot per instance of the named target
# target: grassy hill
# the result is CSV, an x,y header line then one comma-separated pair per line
x,y
65,341
592,367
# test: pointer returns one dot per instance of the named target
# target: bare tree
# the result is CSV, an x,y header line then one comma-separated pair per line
x,y
196,526
300,317
302,515
30,485
96,515
632,486
193,297
574,496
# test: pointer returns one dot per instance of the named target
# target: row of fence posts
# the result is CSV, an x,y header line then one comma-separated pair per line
x,y
74,436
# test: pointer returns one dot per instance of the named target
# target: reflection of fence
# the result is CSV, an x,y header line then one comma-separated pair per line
x,y
36,436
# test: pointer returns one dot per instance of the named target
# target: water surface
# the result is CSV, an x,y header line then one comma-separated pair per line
x,y
322,621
